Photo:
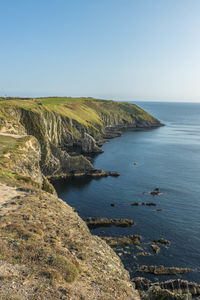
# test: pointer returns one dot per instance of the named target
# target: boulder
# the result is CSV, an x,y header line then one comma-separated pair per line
x,y
155,248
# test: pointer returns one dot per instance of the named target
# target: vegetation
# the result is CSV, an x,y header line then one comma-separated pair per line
x,y
45,248
86,111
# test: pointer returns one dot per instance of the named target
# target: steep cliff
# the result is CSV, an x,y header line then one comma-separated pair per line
x,y
46,250
69,128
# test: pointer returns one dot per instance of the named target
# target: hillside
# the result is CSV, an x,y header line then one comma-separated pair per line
x,y
46,250
68,129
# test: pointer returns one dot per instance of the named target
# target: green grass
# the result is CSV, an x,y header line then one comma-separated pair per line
x,y
86,111
9,144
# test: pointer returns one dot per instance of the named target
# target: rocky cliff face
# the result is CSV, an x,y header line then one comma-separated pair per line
x,y
46,249
64,139
47,252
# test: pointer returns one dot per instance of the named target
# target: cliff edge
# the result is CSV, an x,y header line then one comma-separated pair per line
x,y
46,249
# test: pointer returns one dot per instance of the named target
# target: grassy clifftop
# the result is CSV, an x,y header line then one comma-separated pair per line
x,y
46,250
86,111
68,129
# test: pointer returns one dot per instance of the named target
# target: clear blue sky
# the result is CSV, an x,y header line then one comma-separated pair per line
x,y
114,49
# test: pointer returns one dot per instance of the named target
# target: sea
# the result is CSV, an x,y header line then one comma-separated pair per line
x,y
167,158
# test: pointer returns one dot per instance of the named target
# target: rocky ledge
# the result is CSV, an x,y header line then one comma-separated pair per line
x,y
177,285
124,240
161,270
104,222
156,293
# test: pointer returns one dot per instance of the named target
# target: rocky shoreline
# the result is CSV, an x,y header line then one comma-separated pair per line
x,y
47,250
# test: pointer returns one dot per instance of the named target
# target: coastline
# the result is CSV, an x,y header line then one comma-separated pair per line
x,y
34,217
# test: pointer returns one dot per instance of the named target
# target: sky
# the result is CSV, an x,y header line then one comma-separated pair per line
x,y
112,49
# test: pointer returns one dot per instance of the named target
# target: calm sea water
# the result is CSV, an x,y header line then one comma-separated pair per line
x,y
168,158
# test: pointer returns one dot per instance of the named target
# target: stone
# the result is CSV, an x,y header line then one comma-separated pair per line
x,y
156,293
143,254
124,240
155,192
161,270
104,222
162,241
155,248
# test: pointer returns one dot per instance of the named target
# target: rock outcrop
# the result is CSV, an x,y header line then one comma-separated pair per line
x,y
156,293
104,222
46,249
47,252
123,240
161,270
174,285
67,129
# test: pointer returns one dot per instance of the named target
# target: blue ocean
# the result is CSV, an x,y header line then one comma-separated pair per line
x,y
167,158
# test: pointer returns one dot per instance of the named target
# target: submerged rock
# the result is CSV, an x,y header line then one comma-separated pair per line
x,y
161,270
104,222
143,254
123,240
162,241
155,192
155,248
143,203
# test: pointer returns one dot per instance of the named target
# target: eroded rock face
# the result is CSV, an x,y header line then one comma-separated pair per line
x,y
52,229
60,135
104,222
26,161
89,144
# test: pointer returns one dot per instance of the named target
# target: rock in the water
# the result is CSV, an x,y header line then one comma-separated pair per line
x,y
141,283
156,293
143,203
114,174
112,204
155,192
155,248
162,241
104,222
143,254
175,285
123,240
150,204
161,270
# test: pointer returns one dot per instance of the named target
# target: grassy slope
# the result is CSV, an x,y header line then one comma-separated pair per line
x,y
86,111
43,242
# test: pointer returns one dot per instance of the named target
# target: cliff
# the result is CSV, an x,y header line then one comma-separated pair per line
x,y
46,250
68,129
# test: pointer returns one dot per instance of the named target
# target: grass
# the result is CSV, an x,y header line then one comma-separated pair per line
x,y
9,144
86,111
28,236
